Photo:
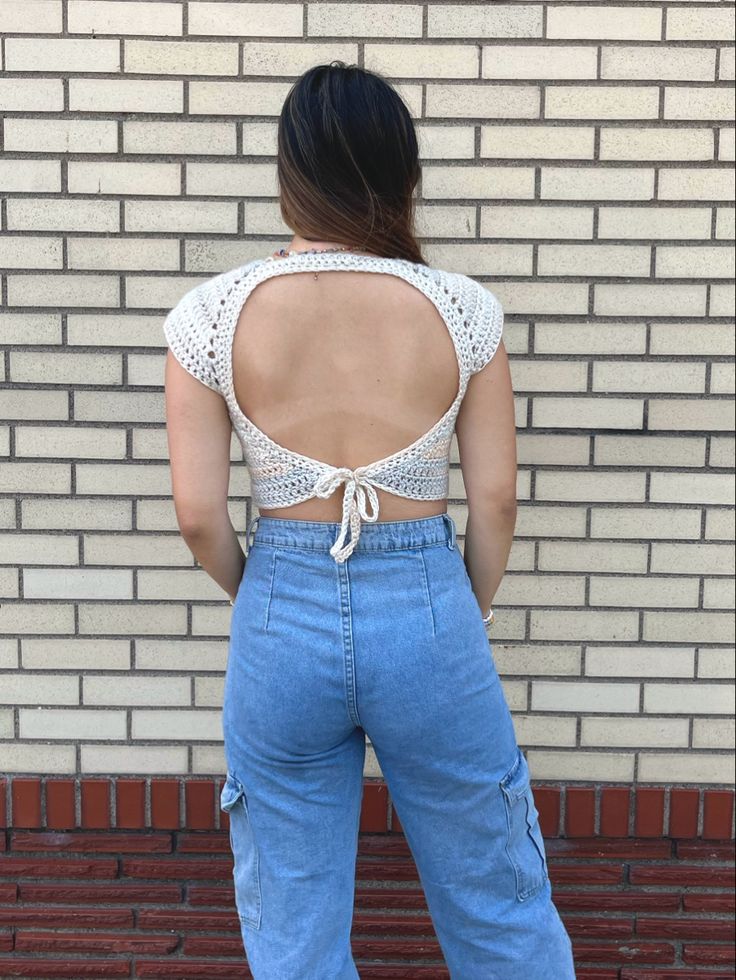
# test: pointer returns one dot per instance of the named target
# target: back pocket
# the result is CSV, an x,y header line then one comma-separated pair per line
x,y
525,844
246,872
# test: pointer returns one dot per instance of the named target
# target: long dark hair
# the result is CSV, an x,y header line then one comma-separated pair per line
x,y
348,161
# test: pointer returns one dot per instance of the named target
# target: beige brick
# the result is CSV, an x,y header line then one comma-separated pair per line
x,y
609,23
585,766
726,63
79,583
584,625
41,689
45,95
701,559
416,60
691,413
597,183
696,184
688,627
182,57
374,20
604,102
716,663
116,16
685,102
181,655
516,694
722,299
496,260
695,261
530,590
644,522
697,698
231,98
692,338
639,661
30,253
134,691
653,223
100,177
540,375
487,101
209,692
484,20
444,142
660,299
659,63
29,404
646,590
718,593
181,724
548,299
720,523
123,619
557,448
611,376
75,653
74,514
60,136
592,556
594,260
545,730
536,221
20,16
649,451
153,760
38,757
66,367
586,696
722,453
184,216
47,214
633,733
540,521
520,660
592,413
66,290
685,767
725,223
458,182
577,486
190,138
585,338
700,24
62,54
125,95
626,143
31,176
711,733
48,723
9,659
538,61
685,488
529,142
125,254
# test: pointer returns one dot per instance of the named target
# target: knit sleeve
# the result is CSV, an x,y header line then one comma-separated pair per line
x,y
189,336
486,328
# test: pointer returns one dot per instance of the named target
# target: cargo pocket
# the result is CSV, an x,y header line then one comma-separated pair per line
x,y
246,873
525,844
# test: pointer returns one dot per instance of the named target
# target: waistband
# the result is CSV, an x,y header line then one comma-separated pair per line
x,y
381,536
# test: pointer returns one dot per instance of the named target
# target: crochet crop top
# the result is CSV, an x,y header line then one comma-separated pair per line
x,y
200,329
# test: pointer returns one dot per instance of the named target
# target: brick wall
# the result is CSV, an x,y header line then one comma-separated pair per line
x,y
578,160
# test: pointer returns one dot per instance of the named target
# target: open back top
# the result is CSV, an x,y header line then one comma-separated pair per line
x,y
200,329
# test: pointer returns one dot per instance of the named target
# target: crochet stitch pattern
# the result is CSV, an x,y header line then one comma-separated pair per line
x,y
199,331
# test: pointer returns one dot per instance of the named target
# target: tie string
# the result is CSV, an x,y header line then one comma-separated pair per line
x,y
358,491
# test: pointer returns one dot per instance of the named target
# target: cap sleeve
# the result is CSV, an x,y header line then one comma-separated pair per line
x,y
486,328
190,337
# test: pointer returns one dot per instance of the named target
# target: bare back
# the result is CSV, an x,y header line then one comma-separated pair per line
x,y
346,368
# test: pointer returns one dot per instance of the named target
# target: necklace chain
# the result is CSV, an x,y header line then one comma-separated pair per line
x,y
285,252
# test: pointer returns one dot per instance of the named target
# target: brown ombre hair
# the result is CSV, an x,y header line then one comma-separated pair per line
x,y
348,161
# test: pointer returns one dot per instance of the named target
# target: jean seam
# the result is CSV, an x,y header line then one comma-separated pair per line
x,y
274,557
427,593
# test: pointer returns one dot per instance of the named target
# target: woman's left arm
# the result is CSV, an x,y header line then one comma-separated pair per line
x,y
199,432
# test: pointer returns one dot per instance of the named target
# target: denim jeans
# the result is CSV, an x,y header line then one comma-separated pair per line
x,y
391,645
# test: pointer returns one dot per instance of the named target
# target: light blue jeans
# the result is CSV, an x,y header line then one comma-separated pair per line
x,y
389,644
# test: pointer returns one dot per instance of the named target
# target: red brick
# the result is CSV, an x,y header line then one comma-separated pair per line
x,y
579,811
615,806
624,952
67,918
60,794
102,893
603,927
374,807
3,799
600,847
110,843
717,814
95,795
708,955
679,927
73,969
684,808
678,875
649,813
709,902
130,803
547,800
616,901
36,940
199,803
703,850
165,804
634,974
26,802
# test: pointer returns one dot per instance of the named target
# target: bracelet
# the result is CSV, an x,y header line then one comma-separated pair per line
x,y
489,619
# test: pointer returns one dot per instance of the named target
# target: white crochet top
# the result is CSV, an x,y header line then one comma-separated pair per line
x,y
200,328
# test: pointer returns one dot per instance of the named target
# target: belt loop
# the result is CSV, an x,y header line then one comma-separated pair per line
x,y
251,527
452,529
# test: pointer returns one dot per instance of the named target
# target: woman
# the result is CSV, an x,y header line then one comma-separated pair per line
x,y
355,613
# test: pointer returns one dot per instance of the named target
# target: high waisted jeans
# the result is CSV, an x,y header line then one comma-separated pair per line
x,y
389,644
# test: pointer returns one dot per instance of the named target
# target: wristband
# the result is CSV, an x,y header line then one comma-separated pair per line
x,y
489,619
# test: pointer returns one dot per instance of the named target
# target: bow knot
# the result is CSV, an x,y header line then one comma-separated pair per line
x,y
357,487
